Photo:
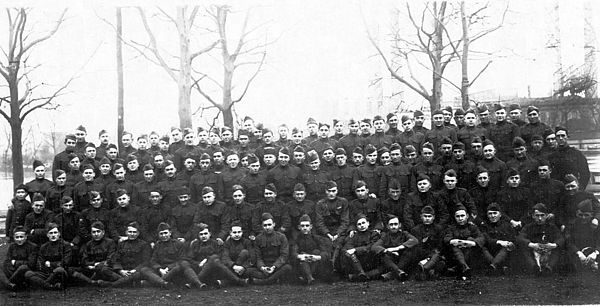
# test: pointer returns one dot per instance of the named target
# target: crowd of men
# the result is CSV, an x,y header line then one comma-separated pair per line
x,y
388,200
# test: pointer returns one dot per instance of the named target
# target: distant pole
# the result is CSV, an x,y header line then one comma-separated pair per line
x,y
120,111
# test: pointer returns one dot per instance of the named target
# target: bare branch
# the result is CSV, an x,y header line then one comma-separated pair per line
x,y
204,94
47,36
153,46
480,72
262,61
208,48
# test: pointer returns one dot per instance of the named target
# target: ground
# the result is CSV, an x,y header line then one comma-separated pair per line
x,y
568,289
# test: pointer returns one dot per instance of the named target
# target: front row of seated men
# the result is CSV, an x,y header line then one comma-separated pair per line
x,y
365,254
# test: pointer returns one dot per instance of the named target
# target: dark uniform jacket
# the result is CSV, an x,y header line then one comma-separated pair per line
x,y
466,134
69,226
111,191
131,254
464,232
515,202
120,217
465,171
81,197
547,191
37,223
40,186
399,171
278,209
25,254
334,216
311,244
233,248
182,220
457,196
501,230
58,253
371,208
170,187
390,240
89,216
413,138
254,186
55,194
581,235
167,254
429,237
362,242
16,215
482,197
284,178
314,181
540,233
568,160
231,177
433,170
199,251
351,141
502,134
205,179
242,213
97,251
343,177
393,207
215,216
271,250
151,217
368,174
497,172
416,202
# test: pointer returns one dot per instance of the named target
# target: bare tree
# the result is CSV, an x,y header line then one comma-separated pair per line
x,y
254,54
120,86
21,100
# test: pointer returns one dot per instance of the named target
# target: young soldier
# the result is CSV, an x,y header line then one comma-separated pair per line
x,y
541,242
420,198
310,253
515,200
131,258
273,206
502,133
241,212
39,184
18,209
133,174
61,160
68,222
96,212
182,216
122,215
439,131
74,173
189,168
202,265
58,191
464,168
583,239
395,248
429,236
454,196
357,259
53,261
379,139
526,165
170,185
565,211
410,136
395,202
366,205
397,170
514,111
352,140
367,172
314,178
119,183
299,207
499,239
166,257
428,167
482,194
94,258
392,121
254,181
464,239
212,213
37,220
545,189
419,120
272,251
82,189
105,176
20,258
153,215
205,177
142,189
568,160
238,253
535,126
334,215
470,130
496,168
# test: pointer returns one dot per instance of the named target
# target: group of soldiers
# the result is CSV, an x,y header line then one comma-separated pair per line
x,y
387,200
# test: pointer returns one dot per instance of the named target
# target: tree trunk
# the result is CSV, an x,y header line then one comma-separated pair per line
x,y
15,125
120,90
185,70
464,86
438,47
227,87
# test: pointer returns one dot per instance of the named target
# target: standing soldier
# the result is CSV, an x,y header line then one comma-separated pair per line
x,y
470,130
275,207
392,121
61,160
352,140
39,184
409,136
535,126
439,131
568,160
419,118
514,110
212,213
379,139
502,134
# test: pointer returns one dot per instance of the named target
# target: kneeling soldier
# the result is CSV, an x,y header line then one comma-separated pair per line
x,y
310,252
395,248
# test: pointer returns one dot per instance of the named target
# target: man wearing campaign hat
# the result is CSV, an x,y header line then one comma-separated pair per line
x,y
535,126
568,160
409,136
502,134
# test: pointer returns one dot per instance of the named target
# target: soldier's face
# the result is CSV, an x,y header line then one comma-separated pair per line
x,y
283,132
446,149
393,225
204,235
126,140
233,160
176,135
238,197
226,136
60,180
571,187
447,116
324,131
204,164
208,198
132,233
299,195
489,152
477,148
184,199
379,125
500,115
244,161
484,117
412,156
159,161
461,217
561,138
483,179
459,119
396,156
385,158
120,174
40,172
21,194
90,152
133,165
513,181
341,160
515,114
254,168
123,200
88,175
269,159
305,227
494,216
203,137
331,193
214,138
353,127
585,217
284,159
268,226
427,218
20,238
236,233
362,192
80,135
257,133
423,185
408,125
297,138
544,172
74,163
267,138
357,159
269,195
438,120
312,129
67,207
328,155
189,139
164,235
243,140
533,117
142,144
218,158
338,128
96,202
459,154
551,141
154,140
248,125
372,158
427,154
112,153
315,164
365,127
97,234
148,175
104,139
470,120
70,143
419,120
450,182
536,145
539,217
155,198
520,152
393,122
53,234
362,225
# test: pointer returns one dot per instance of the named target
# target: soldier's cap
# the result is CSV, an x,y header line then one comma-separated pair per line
x,y
322,124
382,150
541,207
38,163
127,133
458,146
270,151
206,190
163,226
405,118
87,166
335,121
22,187
422,177
299,149
102,132
488,142
370,149
459,112
227,154
569,178
448,109
200,129
174,128
259,126
427,145
271,187
266,216
284,150
498,107
394,184
304,218
532,108
168,163
81,128
237,187
418,113
460,207
377,118
561,128
409,149
446,140
252,159
266,131
327,147
216,130
117,166
514,106
450,173
312,156
165,138
311,121
236,223
204,156
547,133
358,150
70,137
143,136
154,133
120,192
437,112
482,108
359,184
389,116
19,229
225,129
428,210
351,121
493,207
470,111
37,197
134,224
189,155
90,145
131,158
187,131
147,167
98,225
367,121
476,139
537,137
395,146
243,133
518,142
340,151
71,156
330,185
585,206
512,172
299,187
246,118
360,216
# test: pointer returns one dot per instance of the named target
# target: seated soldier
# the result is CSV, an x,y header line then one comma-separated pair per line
x,y
464,239
299,207
96,212
20,258
202,262
333,221
166,257
182,215
154,214
310,252
395,202
123,214
395,247
499,239
53,261
583,239
131,259
541,242
272,252
94,258
428,252
238,252
357,257
68,222
37,220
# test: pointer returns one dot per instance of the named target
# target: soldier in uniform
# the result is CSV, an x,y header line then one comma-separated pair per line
x,y
357,259
39,184
21,257
535,126
526,165
54,258
568,160
439,131
240,213
165,262
123,214
392,121
502,134
272,252
499,239
419,118
352,140
213,213
409,136
465,240
470,130
465,169
95,212
36,221
514,110
420,198
310,253
395,246
94,258
275,207
379,139
428,252
61,160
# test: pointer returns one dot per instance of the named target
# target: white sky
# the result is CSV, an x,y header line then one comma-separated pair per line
x,y
320,66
